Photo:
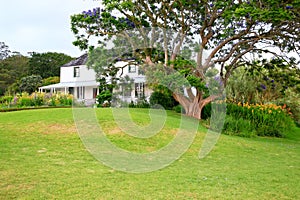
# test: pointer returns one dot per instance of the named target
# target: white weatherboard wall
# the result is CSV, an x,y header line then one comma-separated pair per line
x,y
85,74
89,92
83,85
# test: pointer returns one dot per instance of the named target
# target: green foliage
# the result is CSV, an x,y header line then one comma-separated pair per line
x,y
19,73
178,109
104,98
141,103
261,120
206,112
163,96
265,81
47,64
6,100
36,100
242,88
12,69
241,127
102,61
124,86
175,35
51,80
292,100
64,100
30,83
25,102
215,20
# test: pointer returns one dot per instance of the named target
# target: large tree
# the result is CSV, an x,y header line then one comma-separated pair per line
x,y
47,64
213,32
12,69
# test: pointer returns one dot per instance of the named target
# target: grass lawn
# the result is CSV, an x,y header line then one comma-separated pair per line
x,y
42,157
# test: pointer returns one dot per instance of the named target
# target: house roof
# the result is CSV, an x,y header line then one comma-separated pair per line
x,y
78,61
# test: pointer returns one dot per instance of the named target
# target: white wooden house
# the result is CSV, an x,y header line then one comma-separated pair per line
x,y
78,80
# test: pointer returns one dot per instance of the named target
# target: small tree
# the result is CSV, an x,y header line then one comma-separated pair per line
x,y
30,83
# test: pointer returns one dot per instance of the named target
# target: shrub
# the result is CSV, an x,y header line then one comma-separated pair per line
x,y
142,104
25,102
263,120
165,99
139,104
292,101
104,98
36,99
6,100
240,127
60,99
206,112
131,105
178,109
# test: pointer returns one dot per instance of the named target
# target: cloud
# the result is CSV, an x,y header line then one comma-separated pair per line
x,y
41,26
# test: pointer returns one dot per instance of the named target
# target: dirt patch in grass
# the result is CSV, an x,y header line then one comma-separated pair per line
x,y
51,128
114,131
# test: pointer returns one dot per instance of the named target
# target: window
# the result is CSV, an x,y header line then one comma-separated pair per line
x,y
76,72
131,68
139,90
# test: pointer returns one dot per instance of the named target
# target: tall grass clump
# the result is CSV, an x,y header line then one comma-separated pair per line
x,y
257,119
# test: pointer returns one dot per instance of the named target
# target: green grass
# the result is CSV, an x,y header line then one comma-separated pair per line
x,y
42,157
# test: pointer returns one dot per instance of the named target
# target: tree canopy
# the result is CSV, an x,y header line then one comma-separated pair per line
x,y
12,69
47,64
30,83
206,33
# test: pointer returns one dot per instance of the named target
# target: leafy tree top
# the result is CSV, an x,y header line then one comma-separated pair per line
x,y
47,64
205,33
230,29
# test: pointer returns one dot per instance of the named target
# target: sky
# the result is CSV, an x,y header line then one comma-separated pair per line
x,y
41,25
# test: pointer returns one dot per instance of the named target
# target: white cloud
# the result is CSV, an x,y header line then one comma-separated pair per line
x,y
40,26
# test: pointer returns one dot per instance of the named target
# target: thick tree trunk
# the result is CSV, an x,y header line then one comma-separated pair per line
x,y
193,107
